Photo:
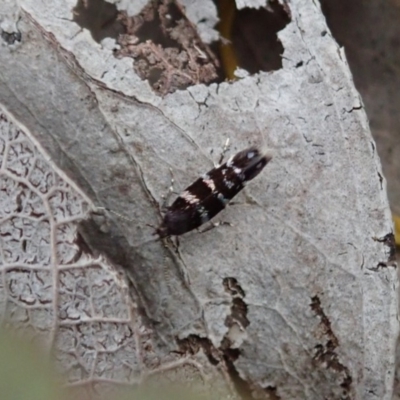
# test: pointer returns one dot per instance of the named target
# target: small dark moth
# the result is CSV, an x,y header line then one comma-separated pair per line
x,y
211,193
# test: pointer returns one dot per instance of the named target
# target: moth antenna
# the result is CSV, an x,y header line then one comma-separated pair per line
x,y
224,150
113,212
171,188
165,197
131,220
147,241
151,226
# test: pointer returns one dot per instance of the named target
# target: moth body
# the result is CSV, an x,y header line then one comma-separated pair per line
x,y
211,193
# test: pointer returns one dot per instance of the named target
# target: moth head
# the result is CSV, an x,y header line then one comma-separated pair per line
x,y
162,231
251,161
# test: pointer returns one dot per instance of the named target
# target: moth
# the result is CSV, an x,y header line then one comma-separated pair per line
x,y
212,192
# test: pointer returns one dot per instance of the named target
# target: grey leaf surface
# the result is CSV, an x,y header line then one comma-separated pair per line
x,y
298,299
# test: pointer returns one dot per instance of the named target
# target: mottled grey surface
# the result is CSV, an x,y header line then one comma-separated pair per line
x,y
297,284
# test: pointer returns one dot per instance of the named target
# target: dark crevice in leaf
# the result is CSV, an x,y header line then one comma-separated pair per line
x,y
325,354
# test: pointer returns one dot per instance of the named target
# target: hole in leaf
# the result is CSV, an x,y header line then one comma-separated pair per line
x,y
99,17
254,37
167,50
